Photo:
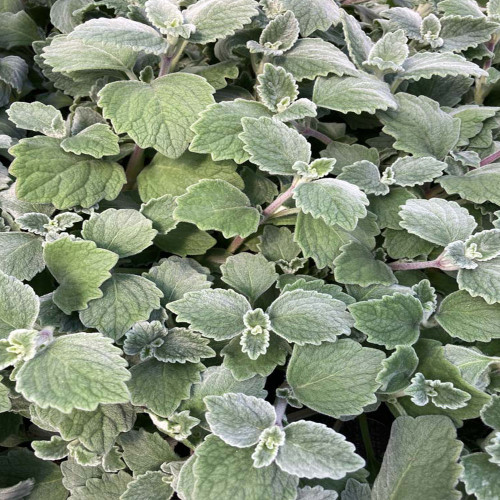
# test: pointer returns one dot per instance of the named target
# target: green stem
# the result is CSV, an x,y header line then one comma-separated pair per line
x,y
372,463
134,166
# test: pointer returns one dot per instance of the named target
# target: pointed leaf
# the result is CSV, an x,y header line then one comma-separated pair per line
x,y
38,117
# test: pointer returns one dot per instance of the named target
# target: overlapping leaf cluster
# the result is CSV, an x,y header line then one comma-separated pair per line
x,y
240,240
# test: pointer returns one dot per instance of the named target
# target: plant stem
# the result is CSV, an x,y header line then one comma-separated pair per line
x,y
310,132
480,92
268,212
280,407
171,58
297,415
134,167
372,462
405,266
490,159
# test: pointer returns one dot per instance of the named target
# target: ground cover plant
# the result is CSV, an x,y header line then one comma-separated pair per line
x,y
249,250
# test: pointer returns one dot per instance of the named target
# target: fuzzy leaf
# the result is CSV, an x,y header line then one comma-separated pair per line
x,y
225,472
469,318
337,202
126,299
410,171
175,277
98,140
389,53
238,419
85,370
173,176
391,321
427,64
47,174
19,306
160,211
146,112
17,30
216,19
273,146
125,232
312,57
218,128
478,185
480,476
317,15
358,43
216,204
436,133
335,379
21,255
437,220
161,387
295,317
120,33
424,465
397,369
313,450
366,176
181,345
483,281
353,94
278,36
249,274
277,88
38,117
217,313
148,486
110,486
356,265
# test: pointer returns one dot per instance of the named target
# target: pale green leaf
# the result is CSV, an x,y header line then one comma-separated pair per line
x,y
181,345
323,377
313,450
244,368
173,176
126,299
125,232
436,220
216,313
359,44
356,265
249,274
410,171
216,74
143,451
66,15
98,140
463,8
266,450
225,473
47,174
397,369
366,176
337,202
478,185
185,239
309,317
120,33
97,430
109,486
146,111
391,321
420,461
80,268
273,146
85,370
161,387
353,94
18,30
160,211
389,53
420,127
387,207
277,88
459,33
276,244
355,490
428,64
312,57
167,17
480,476
21,254
469,318
176,276
323,243
68,54
483,281
278,36
238,419
38,117
317,493
216,204
490,413
13,71
218,128
316,15
148,486
404,245
216,19
19,305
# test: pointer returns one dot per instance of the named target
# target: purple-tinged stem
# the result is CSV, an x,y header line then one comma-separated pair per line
x,y
490,159
406,266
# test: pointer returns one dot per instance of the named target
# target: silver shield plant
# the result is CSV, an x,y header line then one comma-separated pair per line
x,y
250,249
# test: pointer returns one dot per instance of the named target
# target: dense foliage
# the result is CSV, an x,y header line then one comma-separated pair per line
x,y
249,249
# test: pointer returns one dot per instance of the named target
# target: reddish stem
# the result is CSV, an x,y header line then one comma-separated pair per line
x,y
490,159
310,132
405,266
